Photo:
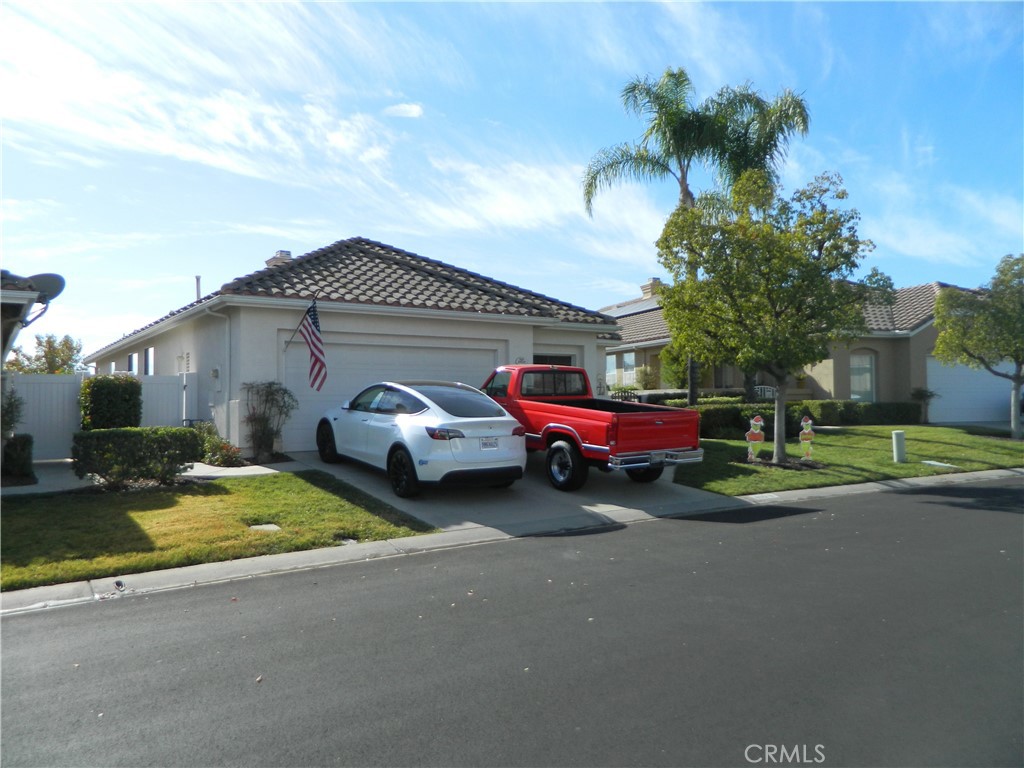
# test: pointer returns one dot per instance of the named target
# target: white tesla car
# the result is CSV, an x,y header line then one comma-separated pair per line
x,y
426,432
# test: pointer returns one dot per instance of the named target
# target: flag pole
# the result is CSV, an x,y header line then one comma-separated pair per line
x,y
311,303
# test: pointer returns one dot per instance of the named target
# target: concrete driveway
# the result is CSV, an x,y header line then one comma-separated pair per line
x,y
532,506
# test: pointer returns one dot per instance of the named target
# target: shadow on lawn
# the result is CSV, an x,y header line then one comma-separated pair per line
x,y
85,524
374,506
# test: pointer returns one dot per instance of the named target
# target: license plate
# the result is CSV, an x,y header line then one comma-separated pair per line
x,y
658,457
488,443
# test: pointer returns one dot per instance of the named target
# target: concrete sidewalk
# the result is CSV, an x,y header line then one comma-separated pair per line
x,y
464,517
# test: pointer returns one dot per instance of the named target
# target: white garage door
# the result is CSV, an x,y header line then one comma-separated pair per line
x,y
351,367
967,395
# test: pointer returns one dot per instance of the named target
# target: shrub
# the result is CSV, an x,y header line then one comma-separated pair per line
x,y
647,378
121,456
11,411
890,413
217,451
17,460
268,404
111,402
720,400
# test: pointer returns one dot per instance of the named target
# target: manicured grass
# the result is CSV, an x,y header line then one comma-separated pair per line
x,y
57,538
850,455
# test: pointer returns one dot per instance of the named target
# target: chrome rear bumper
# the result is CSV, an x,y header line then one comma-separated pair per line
x,y
656,458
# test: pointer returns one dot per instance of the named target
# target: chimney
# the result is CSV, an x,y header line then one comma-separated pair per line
x,y
650,287
281,257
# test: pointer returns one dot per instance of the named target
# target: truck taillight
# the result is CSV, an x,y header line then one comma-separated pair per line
x,y
611,430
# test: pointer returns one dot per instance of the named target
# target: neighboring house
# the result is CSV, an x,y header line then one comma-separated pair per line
x,y
385,314
644,334
886,365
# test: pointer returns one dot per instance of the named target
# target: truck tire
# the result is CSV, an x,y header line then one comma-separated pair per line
x,y
645,475
567,470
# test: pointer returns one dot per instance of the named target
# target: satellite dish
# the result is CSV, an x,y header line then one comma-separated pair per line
x,y
48,285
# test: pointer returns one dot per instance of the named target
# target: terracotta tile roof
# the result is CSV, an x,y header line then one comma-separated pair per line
x,y
913,308
361,271
641,320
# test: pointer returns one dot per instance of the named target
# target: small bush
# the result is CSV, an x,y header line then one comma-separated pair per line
x,y
111,402
122,456
268,404
217,451
11,410
720,400
17,460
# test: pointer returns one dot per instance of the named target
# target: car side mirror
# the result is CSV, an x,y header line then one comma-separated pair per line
x,y
347,405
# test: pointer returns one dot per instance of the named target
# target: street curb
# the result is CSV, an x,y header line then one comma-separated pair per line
x,y
37,598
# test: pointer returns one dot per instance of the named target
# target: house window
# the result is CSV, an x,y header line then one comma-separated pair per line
x,y
133,362
610,366
628,368
862,377
149,361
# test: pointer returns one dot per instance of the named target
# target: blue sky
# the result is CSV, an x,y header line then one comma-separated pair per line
x,y
145,144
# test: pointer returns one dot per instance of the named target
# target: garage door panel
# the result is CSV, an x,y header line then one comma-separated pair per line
x,y
352,367
966,394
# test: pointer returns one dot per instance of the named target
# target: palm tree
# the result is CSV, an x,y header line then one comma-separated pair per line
x,y
734,131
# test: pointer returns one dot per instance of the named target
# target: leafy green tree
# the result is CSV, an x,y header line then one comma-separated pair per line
x,y
985,328
734,131
51,356
776,285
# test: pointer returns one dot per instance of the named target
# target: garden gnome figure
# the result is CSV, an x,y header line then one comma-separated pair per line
x,y
755,437
806,437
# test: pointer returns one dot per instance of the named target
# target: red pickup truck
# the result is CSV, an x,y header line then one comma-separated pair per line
x,y
578,430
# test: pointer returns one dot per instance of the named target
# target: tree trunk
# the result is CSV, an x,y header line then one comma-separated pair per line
x,y
779,454
692,381
1015,415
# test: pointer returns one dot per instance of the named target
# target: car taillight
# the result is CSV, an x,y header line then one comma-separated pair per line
x,y
439,433
519,431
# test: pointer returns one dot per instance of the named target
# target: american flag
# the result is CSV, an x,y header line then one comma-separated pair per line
x,y
310,330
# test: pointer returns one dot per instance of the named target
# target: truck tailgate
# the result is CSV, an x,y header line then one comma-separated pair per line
x,y
661,430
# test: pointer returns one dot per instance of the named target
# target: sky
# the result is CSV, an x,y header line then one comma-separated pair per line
x,y
144,144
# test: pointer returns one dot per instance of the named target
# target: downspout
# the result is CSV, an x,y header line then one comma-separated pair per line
x,y
225,376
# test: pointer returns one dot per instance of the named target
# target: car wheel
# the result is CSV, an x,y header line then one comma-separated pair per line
x,y
567,470
402,474
645,475
325,443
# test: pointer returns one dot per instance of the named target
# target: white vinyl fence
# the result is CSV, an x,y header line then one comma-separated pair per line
x,y
52,414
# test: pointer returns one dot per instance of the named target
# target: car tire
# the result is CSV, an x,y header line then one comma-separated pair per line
x,y
402,474
567,470
645,475
325,443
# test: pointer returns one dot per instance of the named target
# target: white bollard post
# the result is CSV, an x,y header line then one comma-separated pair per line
x,y
899,446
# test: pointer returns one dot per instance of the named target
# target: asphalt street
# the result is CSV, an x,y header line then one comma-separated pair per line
x,y
882,629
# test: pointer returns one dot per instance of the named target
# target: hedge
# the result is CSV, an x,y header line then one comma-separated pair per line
x,y
17,460
110,402
730,422
131,454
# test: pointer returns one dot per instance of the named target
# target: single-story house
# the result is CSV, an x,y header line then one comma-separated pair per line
x,y
886,365
385,314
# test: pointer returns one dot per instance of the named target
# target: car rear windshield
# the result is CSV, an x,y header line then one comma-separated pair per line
x,y
464,403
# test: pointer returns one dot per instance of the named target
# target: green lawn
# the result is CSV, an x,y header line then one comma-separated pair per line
x,y
56,538
849,455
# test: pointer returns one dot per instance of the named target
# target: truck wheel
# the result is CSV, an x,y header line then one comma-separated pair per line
x,y
645,475
567,470
325,443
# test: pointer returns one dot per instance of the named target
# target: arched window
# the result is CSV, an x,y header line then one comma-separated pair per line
x,y
862,376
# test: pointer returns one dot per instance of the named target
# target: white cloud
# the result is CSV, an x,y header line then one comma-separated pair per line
x,y
404,110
